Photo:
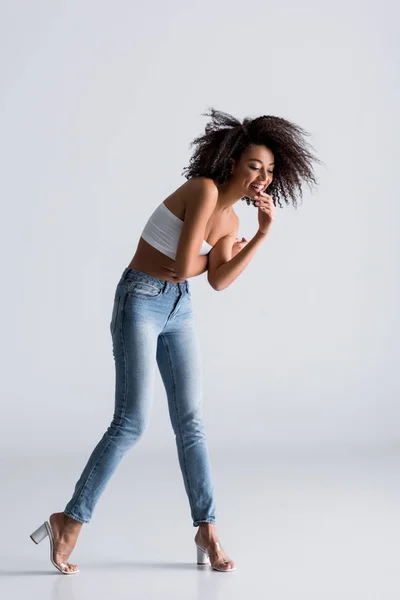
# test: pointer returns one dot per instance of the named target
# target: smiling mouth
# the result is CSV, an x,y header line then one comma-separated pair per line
x,y
258,188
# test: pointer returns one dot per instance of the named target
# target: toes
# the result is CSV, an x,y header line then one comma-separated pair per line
x,y
227,565
68,567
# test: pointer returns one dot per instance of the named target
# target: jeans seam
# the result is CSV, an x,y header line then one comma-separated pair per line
x,y
164,341
88,478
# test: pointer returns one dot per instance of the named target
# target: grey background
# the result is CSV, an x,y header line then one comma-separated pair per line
x,y
99,103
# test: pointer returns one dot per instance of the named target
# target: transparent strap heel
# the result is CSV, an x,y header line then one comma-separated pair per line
x,y
38,536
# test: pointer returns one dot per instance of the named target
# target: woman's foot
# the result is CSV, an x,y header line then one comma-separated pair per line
x,y
206,537
65,533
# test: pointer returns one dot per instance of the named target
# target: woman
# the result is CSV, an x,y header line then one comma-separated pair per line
x,y
194,230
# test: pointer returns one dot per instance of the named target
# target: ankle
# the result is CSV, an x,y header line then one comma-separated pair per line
x,y
71,524
208,531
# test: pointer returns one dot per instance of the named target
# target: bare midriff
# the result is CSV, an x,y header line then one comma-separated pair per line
x,y
150,260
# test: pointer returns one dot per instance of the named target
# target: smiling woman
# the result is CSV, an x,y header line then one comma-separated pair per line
x,y
226,139
152,322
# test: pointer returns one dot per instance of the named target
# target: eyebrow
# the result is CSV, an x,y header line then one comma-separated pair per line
x,y
260,161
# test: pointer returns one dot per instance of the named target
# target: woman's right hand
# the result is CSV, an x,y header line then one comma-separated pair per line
x,y
266,211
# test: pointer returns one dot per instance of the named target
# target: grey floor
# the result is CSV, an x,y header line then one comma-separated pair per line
x,y
300,524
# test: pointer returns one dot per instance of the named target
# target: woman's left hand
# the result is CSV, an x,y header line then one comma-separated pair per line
x,y
238,246
266,211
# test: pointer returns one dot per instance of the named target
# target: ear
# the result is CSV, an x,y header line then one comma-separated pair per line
x,y
232,164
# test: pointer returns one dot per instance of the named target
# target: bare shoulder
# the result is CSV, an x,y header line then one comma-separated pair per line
x,y
199,187
205,183
192,193
199,195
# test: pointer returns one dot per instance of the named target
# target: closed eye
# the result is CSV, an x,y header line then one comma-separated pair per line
x,y
257,169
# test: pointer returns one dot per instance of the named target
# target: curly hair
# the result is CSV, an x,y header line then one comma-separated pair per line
x,y
226,137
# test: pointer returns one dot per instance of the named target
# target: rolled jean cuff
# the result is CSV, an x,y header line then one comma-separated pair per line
x,y
206,520
74,517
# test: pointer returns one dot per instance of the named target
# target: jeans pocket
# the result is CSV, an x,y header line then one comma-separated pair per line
x,y
143,289
114,316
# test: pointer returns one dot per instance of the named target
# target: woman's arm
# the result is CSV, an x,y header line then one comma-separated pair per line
x,y
199,266
203,199
222,269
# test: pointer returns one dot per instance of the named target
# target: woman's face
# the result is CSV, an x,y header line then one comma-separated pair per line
x,y
254,168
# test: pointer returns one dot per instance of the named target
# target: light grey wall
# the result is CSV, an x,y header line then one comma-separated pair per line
x,y
99,102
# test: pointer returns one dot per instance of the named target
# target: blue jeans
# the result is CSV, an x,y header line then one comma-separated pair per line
x,y
152,320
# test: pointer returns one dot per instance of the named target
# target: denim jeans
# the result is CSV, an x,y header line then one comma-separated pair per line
x,y
152,321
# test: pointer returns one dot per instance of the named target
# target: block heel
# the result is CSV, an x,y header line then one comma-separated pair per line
x,y
39,534
202,556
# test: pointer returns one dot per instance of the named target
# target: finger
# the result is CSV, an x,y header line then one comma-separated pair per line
x,y
264,204
264,198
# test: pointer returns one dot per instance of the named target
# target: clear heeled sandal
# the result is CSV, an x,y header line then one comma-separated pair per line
x,y
38,536
204,559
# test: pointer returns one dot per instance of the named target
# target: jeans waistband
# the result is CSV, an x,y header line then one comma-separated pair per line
x,y
184,285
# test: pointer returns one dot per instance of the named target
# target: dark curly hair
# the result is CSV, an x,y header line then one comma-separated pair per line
x,y
226,137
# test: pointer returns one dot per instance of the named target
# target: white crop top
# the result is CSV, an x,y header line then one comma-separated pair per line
x,y
163,230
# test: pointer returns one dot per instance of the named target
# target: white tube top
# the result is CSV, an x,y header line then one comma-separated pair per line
x,y
163,230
